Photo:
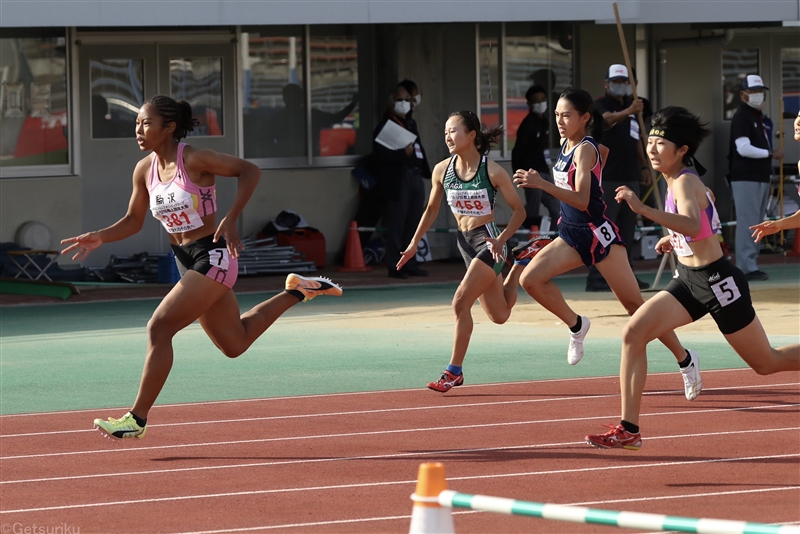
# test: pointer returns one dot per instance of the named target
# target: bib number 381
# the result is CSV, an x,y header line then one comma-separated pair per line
x,y
726,291
604,233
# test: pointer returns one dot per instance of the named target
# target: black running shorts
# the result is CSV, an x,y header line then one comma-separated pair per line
x,y
719,288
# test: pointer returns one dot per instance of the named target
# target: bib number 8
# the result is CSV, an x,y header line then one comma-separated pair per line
x,y
726,291
604,234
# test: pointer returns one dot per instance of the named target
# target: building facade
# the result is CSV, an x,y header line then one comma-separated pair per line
x,y
297,88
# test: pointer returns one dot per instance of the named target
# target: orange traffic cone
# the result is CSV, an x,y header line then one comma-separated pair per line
x,y
796,245
427,515
353,255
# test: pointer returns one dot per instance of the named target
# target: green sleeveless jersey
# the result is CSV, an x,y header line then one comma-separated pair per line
x,y
474,198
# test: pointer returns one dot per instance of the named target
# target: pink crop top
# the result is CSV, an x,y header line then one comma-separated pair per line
x,y
179,204
709,223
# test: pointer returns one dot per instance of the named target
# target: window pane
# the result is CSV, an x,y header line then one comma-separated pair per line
x,y
535,54
334,88
489,72
117,95
33,95
790,69
274,94
199,82
736,64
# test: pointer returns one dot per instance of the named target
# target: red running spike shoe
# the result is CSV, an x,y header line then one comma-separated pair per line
x,y
447,382
525,252
617,438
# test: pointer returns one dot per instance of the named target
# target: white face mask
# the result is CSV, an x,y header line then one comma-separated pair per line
x,y
539,107
755,100
418,100
402,108
629,90
617,90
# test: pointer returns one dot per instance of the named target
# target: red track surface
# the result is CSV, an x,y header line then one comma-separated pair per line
x,y
348,462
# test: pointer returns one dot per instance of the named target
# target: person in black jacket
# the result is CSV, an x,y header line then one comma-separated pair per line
x,y
399,174
750,155
533,137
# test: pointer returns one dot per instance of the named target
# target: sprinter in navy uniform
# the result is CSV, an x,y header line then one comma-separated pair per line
x,y
586,235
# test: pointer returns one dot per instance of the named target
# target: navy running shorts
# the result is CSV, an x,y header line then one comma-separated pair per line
x,y
592,241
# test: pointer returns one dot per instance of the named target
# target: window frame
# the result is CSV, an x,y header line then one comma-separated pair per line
x,y
309,161
59,169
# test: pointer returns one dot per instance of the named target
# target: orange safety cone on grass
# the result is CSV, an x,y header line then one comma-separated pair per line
x,y
353,255
428,517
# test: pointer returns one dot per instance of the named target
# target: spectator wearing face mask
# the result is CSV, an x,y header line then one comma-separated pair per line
x,y
399,174
626,164
416,96
533,137
750,156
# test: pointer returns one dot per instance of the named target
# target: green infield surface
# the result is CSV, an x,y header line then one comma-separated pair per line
x,y
90,355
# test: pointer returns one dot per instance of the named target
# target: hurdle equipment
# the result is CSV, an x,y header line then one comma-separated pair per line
x,y
428,516
449,499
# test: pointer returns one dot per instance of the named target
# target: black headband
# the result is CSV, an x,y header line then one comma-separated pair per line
x,y
679,142
668,135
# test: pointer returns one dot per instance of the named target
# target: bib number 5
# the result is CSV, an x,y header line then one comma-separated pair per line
x,y
726,291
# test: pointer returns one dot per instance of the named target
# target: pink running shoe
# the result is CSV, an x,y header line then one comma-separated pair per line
x,y
447,382
617,438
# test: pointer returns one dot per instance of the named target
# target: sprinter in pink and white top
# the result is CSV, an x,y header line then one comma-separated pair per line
x,y
176,182
705,281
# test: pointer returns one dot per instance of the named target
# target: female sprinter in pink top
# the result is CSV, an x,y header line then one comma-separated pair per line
x,y
706,281
176,182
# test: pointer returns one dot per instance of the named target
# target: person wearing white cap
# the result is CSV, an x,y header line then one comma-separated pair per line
x,y
750,155
626,164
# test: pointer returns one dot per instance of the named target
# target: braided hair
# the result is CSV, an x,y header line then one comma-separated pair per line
x,y
179,112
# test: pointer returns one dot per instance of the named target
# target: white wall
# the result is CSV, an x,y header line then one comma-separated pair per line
x,y
55,202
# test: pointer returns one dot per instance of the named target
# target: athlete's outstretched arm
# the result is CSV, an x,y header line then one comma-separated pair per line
x,y
502,182
431,211
212,162
585,160
128,225
686,221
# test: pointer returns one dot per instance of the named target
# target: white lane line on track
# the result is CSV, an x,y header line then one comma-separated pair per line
x,y
438,428
409,482
128,474
382,432
390,410
378,392
464,512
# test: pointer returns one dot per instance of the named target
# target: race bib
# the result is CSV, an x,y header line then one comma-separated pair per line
x,y
219,258
679,244
561,179
177,217
474,203
726,291
605,234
